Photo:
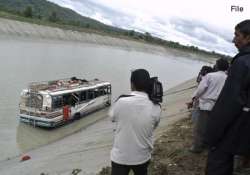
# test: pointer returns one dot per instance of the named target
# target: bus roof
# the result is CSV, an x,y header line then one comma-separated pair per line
x,y
63,86
79,89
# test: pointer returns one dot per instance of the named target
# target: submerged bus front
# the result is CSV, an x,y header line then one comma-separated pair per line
x,y
36,109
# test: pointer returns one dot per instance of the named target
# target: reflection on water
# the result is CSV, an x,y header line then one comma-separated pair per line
x,y
27,61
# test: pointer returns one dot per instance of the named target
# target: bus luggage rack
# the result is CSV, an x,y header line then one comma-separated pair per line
x,y
34,87
61,84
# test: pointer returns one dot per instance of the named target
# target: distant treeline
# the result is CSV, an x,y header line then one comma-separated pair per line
x,y
47,13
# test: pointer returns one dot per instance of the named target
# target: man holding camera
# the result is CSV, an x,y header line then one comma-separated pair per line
x,y
136,116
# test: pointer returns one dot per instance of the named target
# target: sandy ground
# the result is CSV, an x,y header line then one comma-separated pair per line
x,y
89,149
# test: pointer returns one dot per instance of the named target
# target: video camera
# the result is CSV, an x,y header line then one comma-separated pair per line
x,y
155,90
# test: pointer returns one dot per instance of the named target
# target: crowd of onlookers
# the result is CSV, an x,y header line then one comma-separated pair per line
x,y
220,109
221,115
210,83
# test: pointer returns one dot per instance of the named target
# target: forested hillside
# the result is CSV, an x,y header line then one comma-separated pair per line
x,y
47,13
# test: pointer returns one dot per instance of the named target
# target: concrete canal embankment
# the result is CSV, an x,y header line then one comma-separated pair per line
x,y
24,30
27,30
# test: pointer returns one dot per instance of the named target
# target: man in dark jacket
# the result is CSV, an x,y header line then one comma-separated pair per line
x,y
228,130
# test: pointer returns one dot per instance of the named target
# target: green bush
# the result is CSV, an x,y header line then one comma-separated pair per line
x,y
28,12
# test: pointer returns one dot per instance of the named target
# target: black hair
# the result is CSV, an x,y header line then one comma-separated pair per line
x,y
205,70
244,27
140,79
222,64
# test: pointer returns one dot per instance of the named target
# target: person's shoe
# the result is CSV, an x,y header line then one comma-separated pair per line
x,y
195,150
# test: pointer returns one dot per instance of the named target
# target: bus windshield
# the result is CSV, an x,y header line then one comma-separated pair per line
x,y
32,100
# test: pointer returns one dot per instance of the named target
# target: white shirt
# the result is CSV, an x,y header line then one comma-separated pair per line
x,y
209,89
136,117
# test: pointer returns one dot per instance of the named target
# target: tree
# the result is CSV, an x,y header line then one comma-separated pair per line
x,y
53,17
87,25
131,33
148,36
28,12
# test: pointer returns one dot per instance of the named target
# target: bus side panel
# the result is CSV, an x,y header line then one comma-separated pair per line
x,y
92,105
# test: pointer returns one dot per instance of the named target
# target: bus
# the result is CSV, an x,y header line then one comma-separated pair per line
x,y
53,103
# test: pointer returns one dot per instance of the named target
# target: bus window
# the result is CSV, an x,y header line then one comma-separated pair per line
x,y
65,99
96,92
34,100
101,91
57,102
109,89
83,96
70,99
105,90
91,94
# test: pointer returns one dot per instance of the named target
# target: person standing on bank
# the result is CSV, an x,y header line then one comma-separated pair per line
x,y
206,94
136,117
228,129
194,103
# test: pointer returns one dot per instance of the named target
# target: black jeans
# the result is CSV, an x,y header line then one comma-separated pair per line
x,y
199,130
219,162
118,169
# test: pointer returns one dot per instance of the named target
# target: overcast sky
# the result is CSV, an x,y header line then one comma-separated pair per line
x,y
208,24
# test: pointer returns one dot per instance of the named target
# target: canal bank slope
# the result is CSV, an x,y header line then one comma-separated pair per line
x,y
73,153
12,29
24,30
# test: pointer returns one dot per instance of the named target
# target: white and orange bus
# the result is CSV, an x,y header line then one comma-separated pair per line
x,y
53,103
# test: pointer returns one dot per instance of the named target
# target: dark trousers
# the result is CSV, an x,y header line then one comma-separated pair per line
x,y
199,129
219,162
118,169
